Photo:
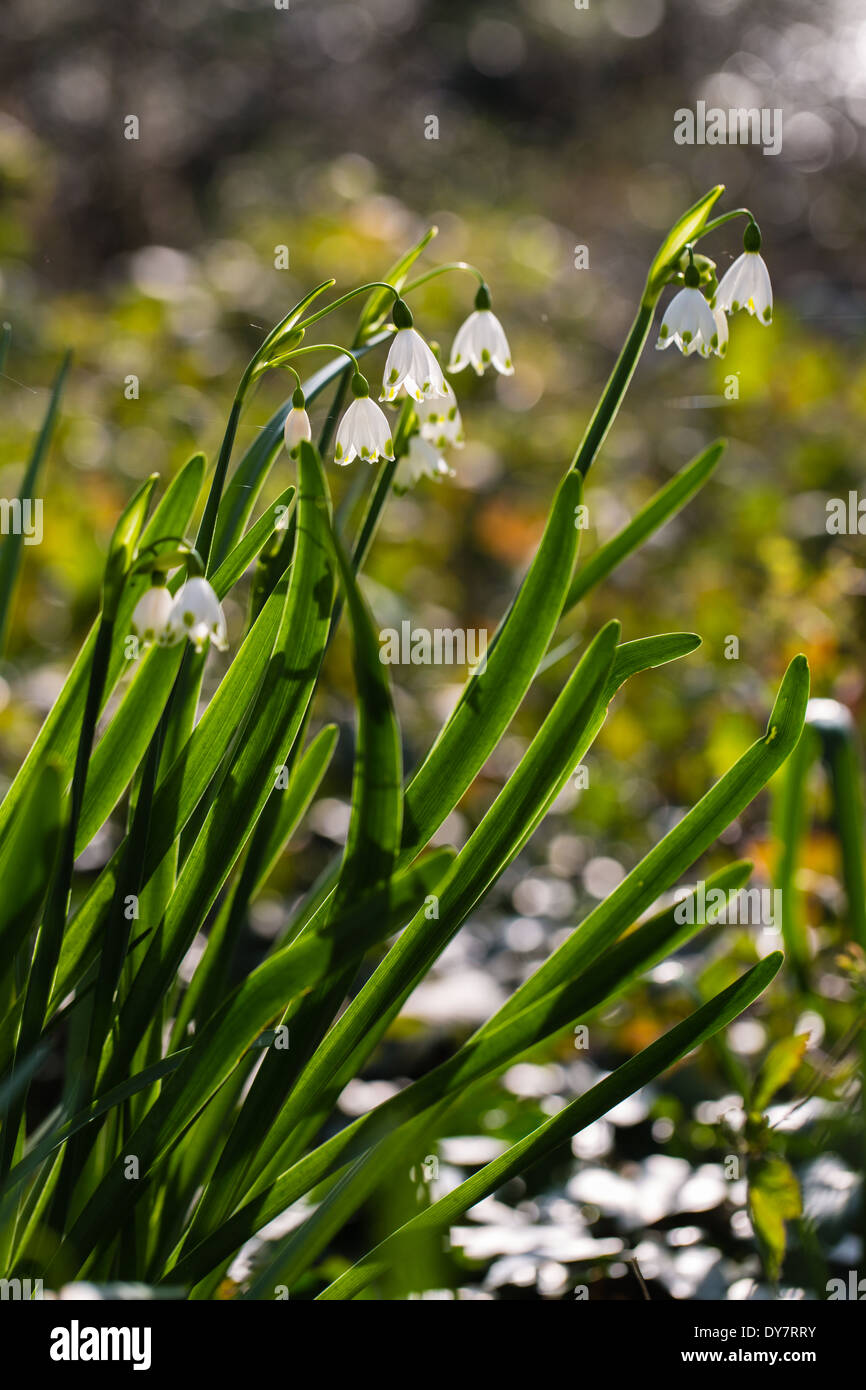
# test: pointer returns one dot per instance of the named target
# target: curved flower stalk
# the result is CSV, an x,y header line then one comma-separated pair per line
x,y
481,340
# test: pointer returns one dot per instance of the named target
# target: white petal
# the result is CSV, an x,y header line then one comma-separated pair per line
x,y
731,294
150,616
460,350
297,427
196,610
762,291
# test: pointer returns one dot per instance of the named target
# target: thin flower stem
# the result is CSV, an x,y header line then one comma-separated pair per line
x,y
326,347
720,221
441,270
204,538
344,299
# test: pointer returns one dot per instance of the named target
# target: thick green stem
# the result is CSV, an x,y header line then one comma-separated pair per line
x,y
617,385
204,539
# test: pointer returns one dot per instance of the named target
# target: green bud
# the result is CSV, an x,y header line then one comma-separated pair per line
x,y
360,385
482,298
692,276
402,314
752,237
298,399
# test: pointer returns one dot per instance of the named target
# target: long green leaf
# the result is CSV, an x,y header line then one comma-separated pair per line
x,y
492,695
59,733
211,977
660,508
489,1051
229,1034
10,551
27,858
517,811
544,1140
679,849
371,848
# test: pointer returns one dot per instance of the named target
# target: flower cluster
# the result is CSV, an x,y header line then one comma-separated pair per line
x,y
412,370
194,612
696,324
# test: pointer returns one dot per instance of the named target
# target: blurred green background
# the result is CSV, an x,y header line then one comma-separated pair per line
x,y
304,128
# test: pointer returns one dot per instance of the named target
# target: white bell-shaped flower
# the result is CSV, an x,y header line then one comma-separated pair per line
x,y
364,431
297,427
149,621
411,366
691,323
440,421
718,341
481,340
422,460
196,614
746,285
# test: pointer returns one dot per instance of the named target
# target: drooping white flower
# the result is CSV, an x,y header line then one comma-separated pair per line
x,y
440,421
692,325
481,340
196,614
149,621
746,285
297,426
411,365
422,460
364,431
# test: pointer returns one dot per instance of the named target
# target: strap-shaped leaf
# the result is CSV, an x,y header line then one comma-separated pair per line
x,y
27,858
211,977
260,999
521,805
489,1051
11,549
371,848
226,575
181,790
660,508
544,1140
269,735
59,733
493,695
660,869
